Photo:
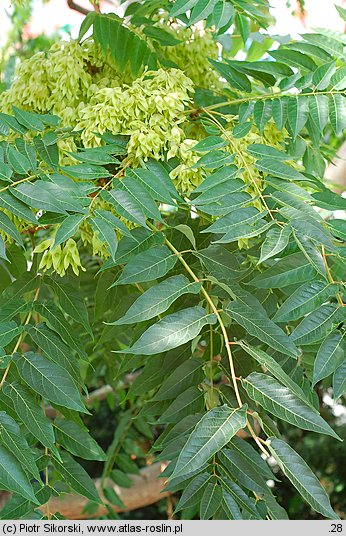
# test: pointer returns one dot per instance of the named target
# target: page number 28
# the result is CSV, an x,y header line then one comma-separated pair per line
x,y
336,527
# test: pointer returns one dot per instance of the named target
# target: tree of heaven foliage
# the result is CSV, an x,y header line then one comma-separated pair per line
x,y
163,213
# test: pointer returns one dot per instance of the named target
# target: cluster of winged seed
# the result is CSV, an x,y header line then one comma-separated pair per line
x,y
76,82
59,258
150,111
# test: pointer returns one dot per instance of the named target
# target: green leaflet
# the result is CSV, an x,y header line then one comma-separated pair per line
x,y
218,177
252,457
242,470
29,120
227,204
239,495
12,476
329,200
44,195
209,143
329,357
289,270
112,220
8,331
139,195
97,155
278,169
338,80
220,263
77,477
269,363
258,324
275,241
71,301
68,228
284,404
339,380
3,249
85,171
201,10
209,436
9,228
193,492
338,228
77,440
262,113
158,299
123,45
235,219
172,331
49,380
317,324
182,6
17,507
157,189
12,438
311,252
319,108
18,161
6,172
126,206
106,234
260,150
214,192
231,506
187,403
211,500
279,111
305,299
30,413
337,113
245,231
54,348
301,476
234,77
59,324
138,241
297,114
16,207
188,373
147,266
121,478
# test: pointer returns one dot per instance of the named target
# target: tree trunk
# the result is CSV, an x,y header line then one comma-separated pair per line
x,y
146,489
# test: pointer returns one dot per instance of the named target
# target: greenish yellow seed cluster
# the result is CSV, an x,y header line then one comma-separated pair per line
x,y
76,82
149,110
184,177
60,258
61,80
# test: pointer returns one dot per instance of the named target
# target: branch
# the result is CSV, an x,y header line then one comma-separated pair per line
x,y
146,489
76,7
